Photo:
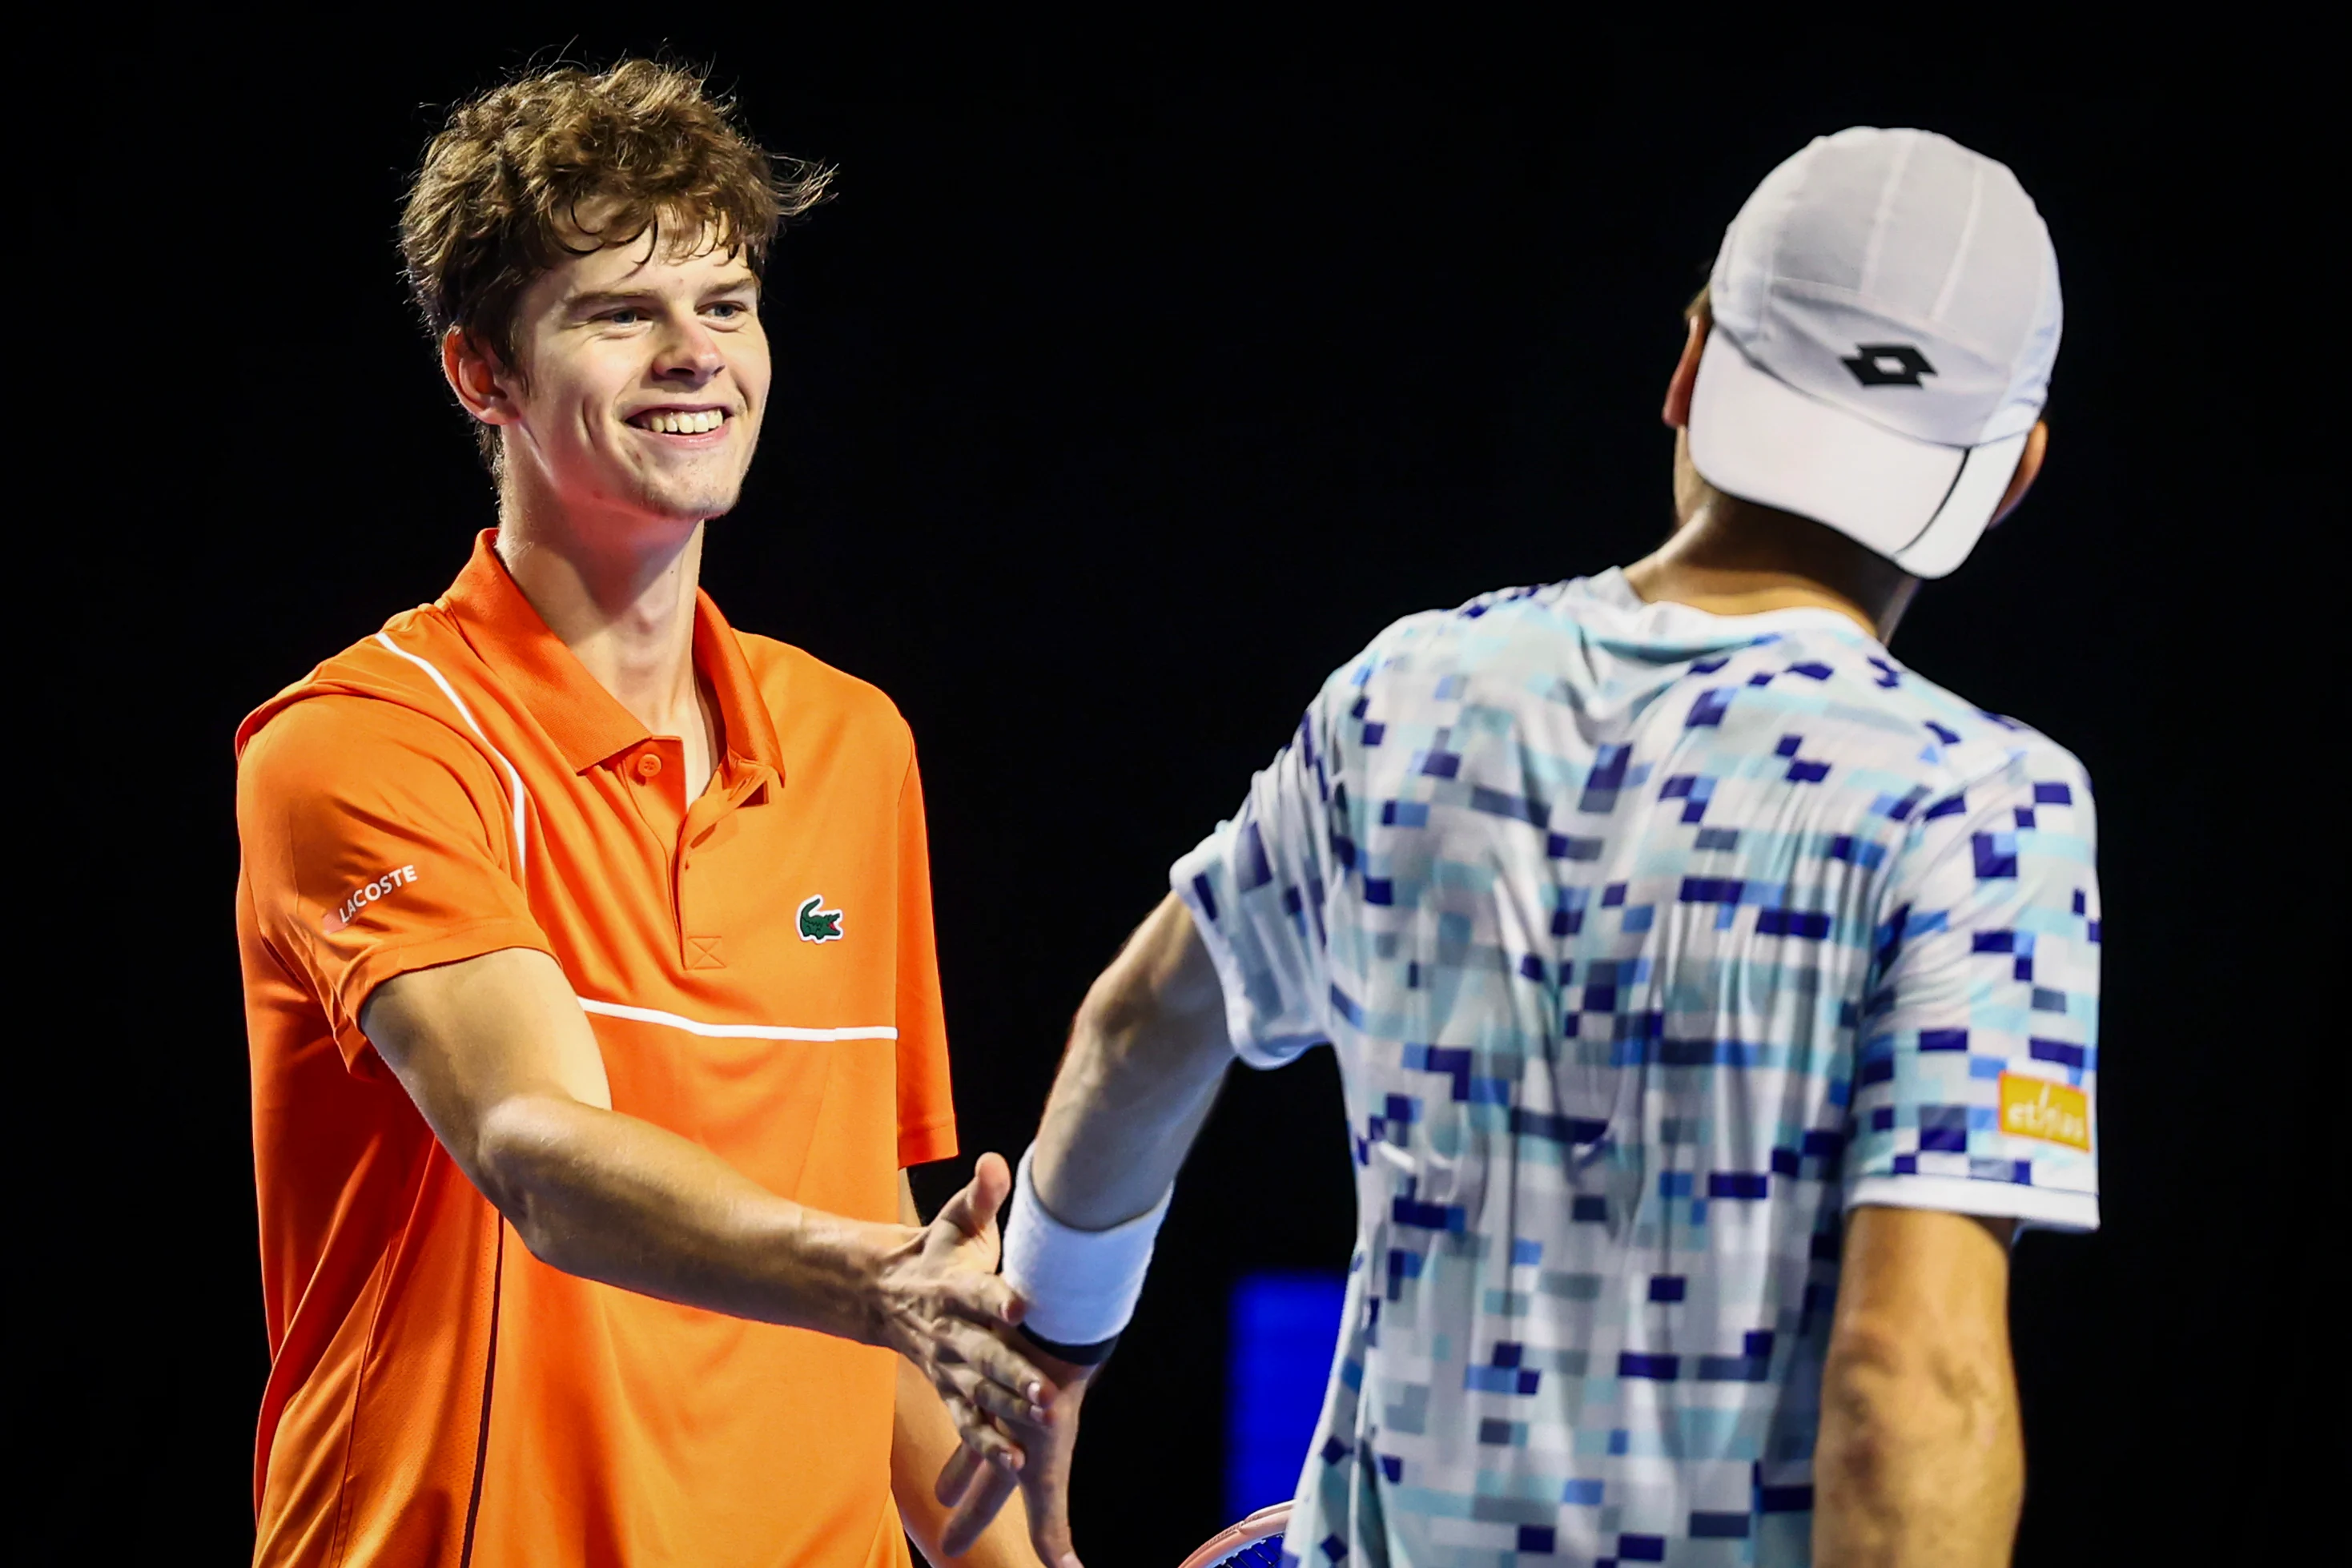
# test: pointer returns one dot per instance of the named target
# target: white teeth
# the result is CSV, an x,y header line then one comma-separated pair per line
x,y
685,423
693,424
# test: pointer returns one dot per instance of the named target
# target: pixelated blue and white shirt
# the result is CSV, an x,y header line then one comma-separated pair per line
x,y
1650,942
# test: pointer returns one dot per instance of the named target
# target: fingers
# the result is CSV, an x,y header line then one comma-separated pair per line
x,y
982,1298
988,1438
1008,1407
1049,1524
1049,1521
962,1469
977,1510
972,1210
993,1175
970,1364
1044,1487
996,1367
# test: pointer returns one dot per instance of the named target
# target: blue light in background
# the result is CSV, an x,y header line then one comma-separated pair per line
x,y
1284,1328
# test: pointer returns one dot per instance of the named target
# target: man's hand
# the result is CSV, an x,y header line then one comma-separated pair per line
x,y
923,1438
945,1310
1147,1054
975,1487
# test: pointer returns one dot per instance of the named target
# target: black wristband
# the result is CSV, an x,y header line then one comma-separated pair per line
x,y
1094,1354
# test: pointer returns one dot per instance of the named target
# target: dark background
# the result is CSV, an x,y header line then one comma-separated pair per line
x,y
1129,387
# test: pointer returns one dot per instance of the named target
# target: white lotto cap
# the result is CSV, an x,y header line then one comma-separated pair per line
x,y
1885,317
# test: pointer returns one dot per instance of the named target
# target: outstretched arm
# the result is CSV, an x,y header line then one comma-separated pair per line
x,y
1919,1460
499,1058
1146,1053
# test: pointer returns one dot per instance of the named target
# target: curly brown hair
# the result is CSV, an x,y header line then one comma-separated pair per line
x,y
510,187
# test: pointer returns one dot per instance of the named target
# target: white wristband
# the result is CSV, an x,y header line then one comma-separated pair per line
x,y
1081,1285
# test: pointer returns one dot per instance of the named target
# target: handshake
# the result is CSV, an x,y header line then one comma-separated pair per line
x,y
1011,1354
1015,1401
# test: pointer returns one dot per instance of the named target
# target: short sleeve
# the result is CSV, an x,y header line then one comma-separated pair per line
x,y
1975,1087
1256,889
375,842
927,1128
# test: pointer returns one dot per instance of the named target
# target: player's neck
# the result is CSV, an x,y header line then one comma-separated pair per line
x,y
1731,558
619,590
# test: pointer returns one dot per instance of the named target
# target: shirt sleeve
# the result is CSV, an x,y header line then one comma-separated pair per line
x,y
376,842
1255,888
1975,1087
927,1128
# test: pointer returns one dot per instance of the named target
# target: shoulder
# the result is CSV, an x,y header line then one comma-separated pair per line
x,y
1490,629
364,719
1956,779
336,746
1964,744
397,666
801,690
1827,690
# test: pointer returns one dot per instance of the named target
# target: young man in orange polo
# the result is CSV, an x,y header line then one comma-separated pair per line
x,y
588,956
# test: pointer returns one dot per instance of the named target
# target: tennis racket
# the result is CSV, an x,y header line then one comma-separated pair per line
x,y
1254,1543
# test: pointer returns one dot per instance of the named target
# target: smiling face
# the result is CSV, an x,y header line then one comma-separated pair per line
x,y
641,371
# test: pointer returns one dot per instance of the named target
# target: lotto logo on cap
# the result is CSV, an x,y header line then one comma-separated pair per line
x,y
1886,314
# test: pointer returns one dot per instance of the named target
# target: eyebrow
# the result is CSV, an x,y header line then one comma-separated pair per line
x,y
604,299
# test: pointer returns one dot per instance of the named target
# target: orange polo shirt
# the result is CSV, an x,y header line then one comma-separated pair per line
x,y
758,967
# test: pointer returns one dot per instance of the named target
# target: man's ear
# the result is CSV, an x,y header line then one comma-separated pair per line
x,y
483,386
1676,413
2028,465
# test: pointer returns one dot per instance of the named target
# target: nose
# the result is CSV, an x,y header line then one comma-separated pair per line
x,y
687,354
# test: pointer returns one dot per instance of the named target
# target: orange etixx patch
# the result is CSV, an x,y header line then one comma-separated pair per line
x,y
2037,1108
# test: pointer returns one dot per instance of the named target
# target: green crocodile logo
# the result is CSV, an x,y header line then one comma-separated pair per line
x,y
819,924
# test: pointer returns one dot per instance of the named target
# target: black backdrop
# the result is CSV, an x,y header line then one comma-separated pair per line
x,y
1126,387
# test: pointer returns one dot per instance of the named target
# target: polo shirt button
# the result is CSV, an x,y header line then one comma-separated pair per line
x,y
648,765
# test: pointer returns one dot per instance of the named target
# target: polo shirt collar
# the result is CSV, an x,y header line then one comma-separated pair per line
x,y
587,723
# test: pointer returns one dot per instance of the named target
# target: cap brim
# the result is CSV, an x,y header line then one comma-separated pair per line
x,y
1921,505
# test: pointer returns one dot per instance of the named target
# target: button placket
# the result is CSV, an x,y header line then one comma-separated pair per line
x,y
699,946
707,825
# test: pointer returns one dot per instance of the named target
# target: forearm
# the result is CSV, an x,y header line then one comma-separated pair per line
x,y
613,1198
497,1056
1919,1460
1118,1127
1145,1056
